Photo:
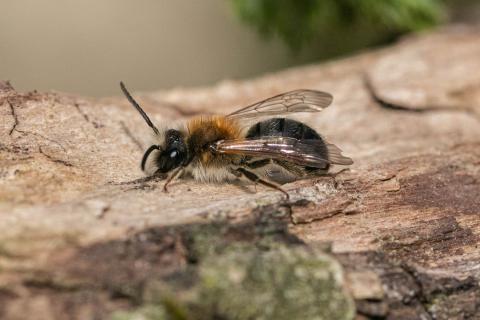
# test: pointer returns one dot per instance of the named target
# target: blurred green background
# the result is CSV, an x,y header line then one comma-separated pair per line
x,y
87,46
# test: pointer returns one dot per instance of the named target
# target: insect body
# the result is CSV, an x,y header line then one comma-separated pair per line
x,y
218,148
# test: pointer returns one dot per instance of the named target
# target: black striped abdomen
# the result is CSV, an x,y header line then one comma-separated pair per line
x,y
288,128
284,128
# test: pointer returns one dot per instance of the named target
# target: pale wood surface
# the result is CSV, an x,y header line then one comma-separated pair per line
x,y
408,209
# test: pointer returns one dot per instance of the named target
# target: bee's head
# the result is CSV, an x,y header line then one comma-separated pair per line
x,y
172,153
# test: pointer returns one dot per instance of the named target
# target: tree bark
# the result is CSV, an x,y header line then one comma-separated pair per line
x,y
83,232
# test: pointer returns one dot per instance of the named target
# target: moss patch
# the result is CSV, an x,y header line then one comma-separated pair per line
x,y
250,270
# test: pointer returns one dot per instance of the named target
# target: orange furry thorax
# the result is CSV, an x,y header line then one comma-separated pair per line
x,y
205,130
213,128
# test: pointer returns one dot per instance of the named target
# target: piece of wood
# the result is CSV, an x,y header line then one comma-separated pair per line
x,y
404,218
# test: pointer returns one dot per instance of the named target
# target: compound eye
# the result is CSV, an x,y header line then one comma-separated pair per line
x,y
173,154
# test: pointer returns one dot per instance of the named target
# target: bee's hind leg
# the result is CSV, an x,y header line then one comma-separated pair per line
x,y
256,179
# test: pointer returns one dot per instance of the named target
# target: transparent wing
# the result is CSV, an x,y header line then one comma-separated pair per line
x,y
312,153
289,102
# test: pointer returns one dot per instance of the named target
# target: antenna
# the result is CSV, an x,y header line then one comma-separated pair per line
x,y
139,109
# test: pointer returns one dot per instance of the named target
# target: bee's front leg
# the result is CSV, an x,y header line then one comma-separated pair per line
x,y
174,175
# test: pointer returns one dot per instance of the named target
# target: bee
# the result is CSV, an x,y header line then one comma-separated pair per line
x,y
259,143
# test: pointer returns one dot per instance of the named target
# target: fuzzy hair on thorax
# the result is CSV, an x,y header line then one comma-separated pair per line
x,y
205,130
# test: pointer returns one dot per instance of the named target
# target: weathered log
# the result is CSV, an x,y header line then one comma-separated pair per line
x,y
83,232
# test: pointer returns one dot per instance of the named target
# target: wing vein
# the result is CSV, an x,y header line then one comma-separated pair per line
x,y
289,102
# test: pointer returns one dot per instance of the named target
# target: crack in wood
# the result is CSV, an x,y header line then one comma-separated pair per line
x,y
394,106
419,294
86,117
430,288
131,136
15,118
312,212
325,216
60,161
43,137
385,104
24,132
83,114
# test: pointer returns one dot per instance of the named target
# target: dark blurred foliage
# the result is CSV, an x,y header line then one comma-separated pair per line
x,y
339,25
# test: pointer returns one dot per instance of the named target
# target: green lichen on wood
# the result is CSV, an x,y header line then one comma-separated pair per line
x,y
282,283
253,270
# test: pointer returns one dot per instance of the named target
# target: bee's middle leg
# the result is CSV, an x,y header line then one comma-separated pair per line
x,y
256,179
258,164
